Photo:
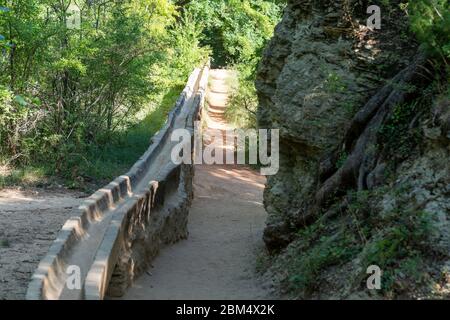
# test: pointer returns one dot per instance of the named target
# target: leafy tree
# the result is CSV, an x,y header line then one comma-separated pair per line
x,y
430,20
65,89
236,30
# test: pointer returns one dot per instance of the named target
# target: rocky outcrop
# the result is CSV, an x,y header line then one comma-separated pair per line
x,y
321,67
353,118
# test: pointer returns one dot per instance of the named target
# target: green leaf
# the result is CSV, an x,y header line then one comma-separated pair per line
x,y
20,100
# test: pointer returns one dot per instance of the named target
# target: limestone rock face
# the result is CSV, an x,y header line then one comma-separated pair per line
x,y
364,175
321,66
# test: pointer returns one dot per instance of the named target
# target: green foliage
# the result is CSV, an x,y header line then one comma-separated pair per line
x,y
82,103
325,251
29,175
430,21
121,148
242,104
397,138
67,94
400,136
400,247
398,240
15,114
236,30
334,83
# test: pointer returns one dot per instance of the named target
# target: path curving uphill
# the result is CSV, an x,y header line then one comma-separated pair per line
x,y
226,221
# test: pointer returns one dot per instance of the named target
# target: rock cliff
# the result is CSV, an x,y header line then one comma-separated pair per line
x,y
364,149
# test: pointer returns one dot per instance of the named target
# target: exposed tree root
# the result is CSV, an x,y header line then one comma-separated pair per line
x,y
362,168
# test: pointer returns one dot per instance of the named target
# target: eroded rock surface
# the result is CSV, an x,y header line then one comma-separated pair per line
x,y
318,74
321,66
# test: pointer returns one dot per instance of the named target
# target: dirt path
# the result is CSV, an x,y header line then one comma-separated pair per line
x,y
226,220
225,230
29,222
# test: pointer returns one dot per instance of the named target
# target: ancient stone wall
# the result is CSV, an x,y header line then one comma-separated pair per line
x,y
118,230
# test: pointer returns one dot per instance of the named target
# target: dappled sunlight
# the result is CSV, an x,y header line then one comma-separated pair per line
x,y
19,200
28,176
246,176
16,195
225,225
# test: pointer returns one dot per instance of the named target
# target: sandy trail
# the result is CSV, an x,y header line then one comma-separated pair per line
x,y
29,222
226,220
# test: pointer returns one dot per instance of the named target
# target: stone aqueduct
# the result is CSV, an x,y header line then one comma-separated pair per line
x,y
115,233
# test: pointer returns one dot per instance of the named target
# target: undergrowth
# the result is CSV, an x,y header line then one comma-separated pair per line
x,y
112,154
397,241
